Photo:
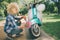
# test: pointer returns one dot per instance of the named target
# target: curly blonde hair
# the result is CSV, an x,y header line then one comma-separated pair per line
x,y
11,6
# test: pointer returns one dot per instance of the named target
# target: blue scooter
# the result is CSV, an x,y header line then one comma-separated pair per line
x,y
35,23
33,31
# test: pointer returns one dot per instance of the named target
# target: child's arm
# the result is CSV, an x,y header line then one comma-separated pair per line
x,y
11,24
14,25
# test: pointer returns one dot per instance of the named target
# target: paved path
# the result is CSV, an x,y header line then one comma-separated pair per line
x,y
44,36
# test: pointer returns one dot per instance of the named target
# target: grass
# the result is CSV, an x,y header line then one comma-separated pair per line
x,y
51,25
2,18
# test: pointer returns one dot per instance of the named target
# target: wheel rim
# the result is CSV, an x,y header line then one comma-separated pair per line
x,y
35,30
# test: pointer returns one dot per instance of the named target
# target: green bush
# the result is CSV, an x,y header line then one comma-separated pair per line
x,y
23,10
50,7
55,9
1,12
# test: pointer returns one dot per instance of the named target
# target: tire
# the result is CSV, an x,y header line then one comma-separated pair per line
x,y
34,31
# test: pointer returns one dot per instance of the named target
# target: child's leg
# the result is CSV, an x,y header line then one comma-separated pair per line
x,y
16,31
11,34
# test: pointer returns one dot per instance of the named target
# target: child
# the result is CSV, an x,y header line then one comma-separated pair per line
x,y
11,28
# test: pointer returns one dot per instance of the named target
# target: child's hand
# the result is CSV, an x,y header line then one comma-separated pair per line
x,y
14,35
23,21
24,17
18,27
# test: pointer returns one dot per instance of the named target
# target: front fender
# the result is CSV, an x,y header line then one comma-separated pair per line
x,y
37,21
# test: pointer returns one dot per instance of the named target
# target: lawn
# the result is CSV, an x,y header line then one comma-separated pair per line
x,y
2,18
51,25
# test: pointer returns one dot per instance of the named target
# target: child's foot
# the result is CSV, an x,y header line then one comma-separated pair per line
x,y
14,35
18,35
9,35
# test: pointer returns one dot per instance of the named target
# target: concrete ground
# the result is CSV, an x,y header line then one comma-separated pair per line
x,y
44,36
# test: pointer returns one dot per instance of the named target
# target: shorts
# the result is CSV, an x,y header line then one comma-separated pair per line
x,y
15,31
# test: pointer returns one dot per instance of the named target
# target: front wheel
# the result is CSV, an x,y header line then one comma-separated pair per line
x,y
34,31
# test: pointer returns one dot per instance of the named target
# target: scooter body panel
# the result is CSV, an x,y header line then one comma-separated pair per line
x,y
35,21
